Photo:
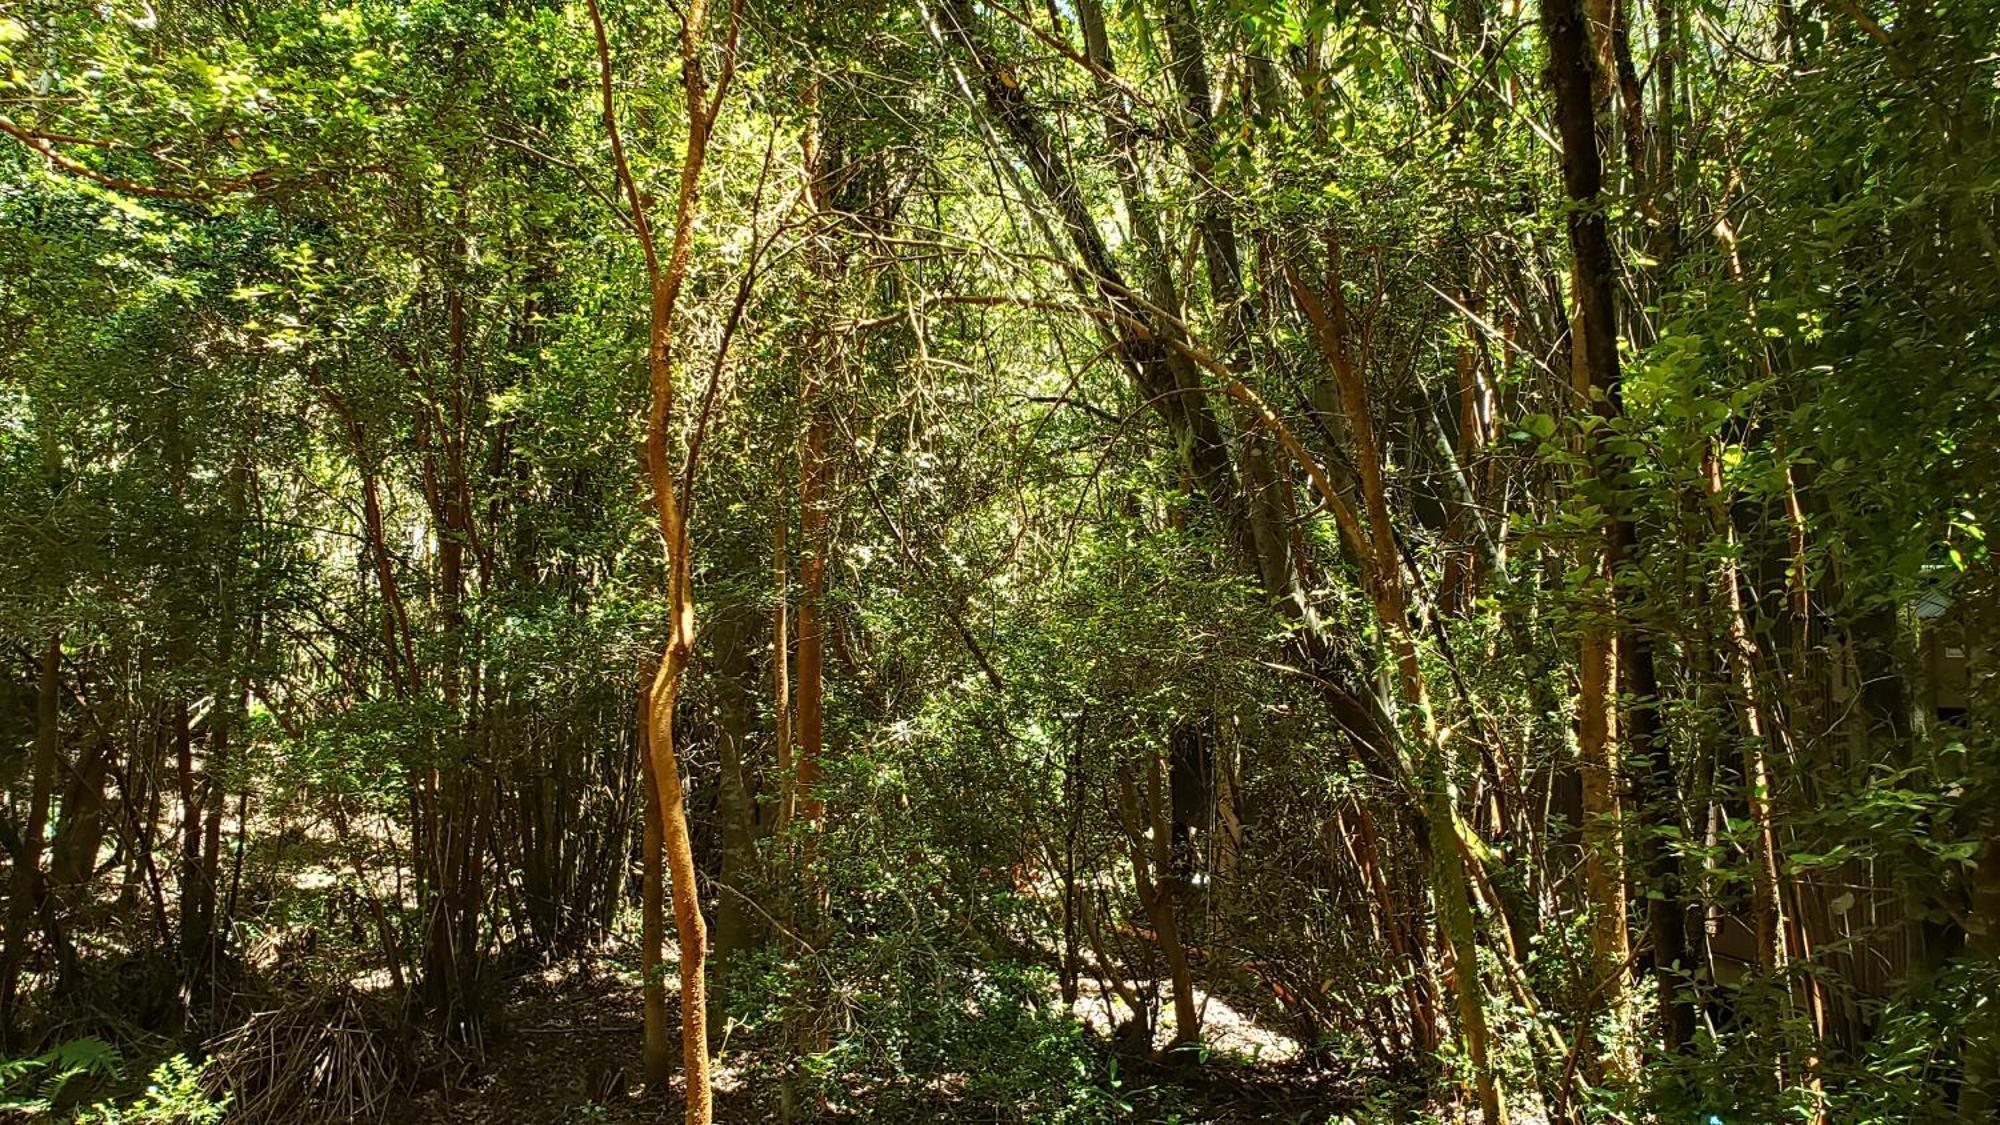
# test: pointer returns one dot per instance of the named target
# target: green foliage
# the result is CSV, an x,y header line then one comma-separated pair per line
x,y
919,1026
46,1086
39,1084
322,386
174,1095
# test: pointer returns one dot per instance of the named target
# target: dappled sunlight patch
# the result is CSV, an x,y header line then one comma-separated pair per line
x,y
1225,1031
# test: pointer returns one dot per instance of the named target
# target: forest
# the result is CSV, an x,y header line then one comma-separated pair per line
x,y
1166,561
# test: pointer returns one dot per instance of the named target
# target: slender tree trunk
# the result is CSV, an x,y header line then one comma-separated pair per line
x,y
1419,983
1147,870
689,925
1766,901
1431,767
658,1053
664,280
1659,810
811,685
1072,890
781,657
1979,1096
191,939
1656,785
1580,87
27,882
820,157
201,944
736,926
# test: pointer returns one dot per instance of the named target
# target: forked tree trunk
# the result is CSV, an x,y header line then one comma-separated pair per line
x,y
1374,547
664,280
1149,868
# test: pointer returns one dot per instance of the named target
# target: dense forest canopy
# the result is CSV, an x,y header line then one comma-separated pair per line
x,y
1161,560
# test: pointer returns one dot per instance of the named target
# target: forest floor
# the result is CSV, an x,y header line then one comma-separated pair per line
x,y
562,1042
568,1050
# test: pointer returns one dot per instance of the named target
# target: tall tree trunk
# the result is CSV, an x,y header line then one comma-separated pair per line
x,y
201,944
1578,85
1655,783
1431,765
1664,874
450,844
1376,550
27,884
820,361
191,940
664,280
810,685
